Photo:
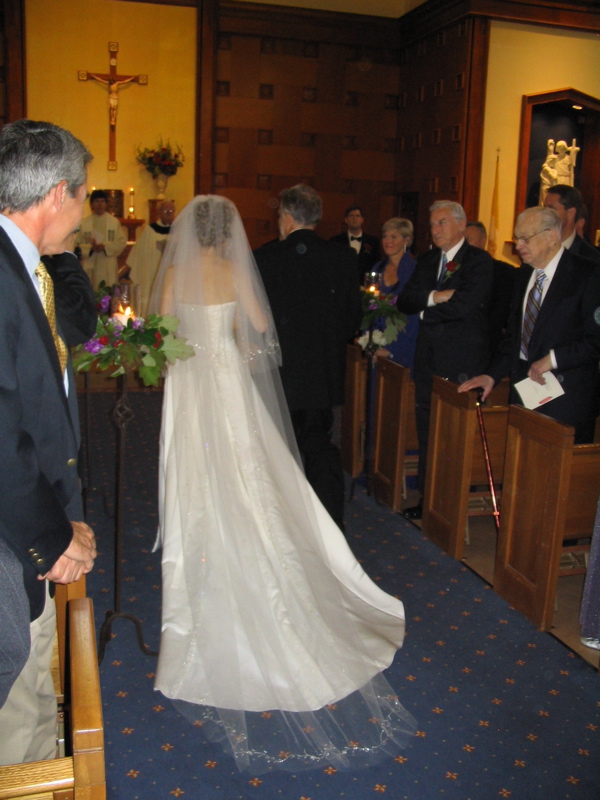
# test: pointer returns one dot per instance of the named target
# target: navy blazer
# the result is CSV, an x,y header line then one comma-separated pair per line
x,y
453,340
568,323
39,485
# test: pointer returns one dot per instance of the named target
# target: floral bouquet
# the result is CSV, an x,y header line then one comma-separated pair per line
x,y
161,160
130,343
382,322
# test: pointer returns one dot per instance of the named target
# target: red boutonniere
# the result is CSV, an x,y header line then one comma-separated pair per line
x,y
367,248
451,268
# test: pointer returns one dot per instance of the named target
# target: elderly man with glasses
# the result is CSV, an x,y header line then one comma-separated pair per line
x,y
554,324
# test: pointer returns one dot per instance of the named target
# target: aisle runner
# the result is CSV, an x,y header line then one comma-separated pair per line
x,y
503,710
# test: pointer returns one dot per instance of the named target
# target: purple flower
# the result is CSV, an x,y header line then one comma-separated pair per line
x,y
392,300
93,346
104,304
138,323
117,325
373,306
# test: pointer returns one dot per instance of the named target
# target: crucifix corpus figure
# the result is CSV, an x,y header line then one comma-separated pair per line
x,y
114,82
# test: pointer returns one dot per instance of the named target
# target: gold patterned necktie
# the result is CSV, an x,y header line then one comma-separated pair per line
x,y
47,293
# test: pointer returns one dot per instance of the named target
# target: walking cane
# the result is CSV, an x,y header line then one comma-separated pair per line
x,y
486,455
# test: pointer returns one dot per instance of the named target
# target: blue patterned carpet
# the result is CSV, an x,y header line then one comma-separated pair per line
x,y
502,709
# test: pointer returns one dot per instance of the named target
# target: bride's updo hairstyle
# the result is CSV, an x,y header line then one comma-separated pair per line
x,y
213,218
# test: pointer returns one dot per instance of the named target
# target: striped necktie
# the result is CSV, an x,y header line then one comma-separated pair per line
x,y
532,309
47,293
442,274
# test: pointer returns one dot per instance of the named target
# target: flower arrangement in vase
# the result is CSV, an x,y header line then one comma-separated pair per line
x,y
161,162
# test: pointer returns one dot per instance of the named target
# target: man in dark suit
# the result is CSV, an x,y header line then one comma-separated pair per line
x,y
564,336
314,295
367,247
450,288
44,540
502,285
568,204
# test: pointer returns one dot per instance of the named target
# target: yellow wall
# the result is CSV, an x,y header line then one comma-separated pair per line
x,y
525,59
156,40
161,42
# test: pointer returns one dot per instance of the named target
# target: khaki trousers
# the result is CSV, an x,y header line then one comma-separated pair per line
x,y
28,722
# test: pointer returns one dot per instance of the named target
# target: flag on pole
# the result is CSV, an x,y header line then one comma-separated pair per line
x,y
493,227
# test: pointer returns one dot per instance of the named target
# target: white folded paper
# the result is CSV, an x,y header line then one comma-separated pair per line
x,y
534,395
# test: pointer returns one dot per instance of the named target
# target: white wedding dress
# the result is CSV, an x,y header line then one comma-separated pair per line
x,y
265,609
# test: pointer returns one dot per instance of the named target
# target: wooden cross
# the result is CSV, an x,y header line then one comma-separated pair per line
x,y
114,82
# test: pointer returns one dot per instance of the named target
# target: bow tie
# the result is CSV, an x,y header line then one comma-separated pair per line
x,y
356,238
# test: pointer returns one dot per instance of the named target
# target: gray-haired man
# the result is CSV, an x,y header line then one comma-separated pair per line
x,y
43,171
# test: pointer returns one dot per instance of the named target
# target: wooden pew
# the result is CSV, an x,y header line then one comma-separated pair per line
x,y
63,593
394,443
456,463
550,494
81,774
353,424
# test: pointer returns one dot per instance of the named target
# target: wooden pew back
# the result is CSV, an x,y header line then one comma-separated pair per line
x,y
354,412
394,432
550,493
456,461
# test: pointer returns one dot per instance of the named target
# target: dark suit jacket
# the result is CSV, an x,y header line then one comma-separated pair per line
x,y
453,339
73,298
315,299
568,323
584,249
369,255
500,301
39,486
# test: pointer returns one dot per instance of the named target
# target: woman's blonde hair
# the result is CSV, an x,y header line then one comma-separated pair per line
x,y
403,226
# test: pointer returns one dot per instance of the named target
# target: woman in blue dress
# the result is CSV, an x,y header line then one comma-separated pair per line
x,y
395,270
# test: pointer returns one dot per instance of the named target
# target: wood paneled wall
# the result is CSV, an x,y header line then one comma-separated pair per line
x,y
440,120
312,100
12,61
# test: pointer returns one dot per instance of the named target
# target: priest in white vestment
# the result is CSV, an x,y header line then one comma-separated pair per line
x,y
101,240
144,258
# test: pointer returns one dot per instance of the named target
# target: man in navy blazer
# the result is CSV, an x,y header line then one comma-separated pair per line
x,y
315,298
43,171
565,338
450,288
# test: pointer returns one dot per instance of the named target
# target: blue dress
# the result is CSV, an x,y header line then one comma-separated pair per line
x,y
403,349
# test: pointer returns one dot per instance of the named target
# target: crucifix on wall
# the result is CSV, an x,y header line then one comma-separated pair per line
x,y
114,82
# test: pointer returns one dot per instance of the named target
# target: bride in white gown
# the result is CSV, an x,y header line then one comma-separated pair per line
x,y
273,637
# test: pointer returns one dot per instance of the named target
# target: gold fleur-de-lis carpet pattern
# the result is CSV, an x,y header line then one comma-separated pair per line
x,y
503,711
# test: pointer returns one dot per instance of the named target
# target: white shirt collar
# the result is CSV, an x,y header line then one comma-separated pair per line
x,y
550,267
454,250
569,240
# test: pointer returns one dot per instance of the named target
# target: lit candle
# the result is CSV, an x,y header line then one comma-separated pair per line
x,y
123,314
131,202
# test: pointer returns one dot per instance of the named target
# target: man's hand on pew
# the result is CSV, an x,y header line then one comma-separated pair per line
x,y
77,559
484,382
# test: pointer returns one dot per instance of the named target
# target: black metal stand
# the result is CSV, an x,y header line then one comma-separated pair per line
x,y
122,414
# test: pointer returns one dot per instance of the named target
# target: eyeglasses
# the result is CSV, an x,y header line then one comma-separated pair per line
x,y
526,239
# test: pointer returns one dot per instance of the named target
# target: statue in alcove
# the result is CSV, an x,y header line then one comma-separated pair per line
x,y
559,166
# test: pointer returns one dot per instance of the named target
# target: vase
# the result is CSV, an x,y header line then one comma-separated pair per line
x,y
161,185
